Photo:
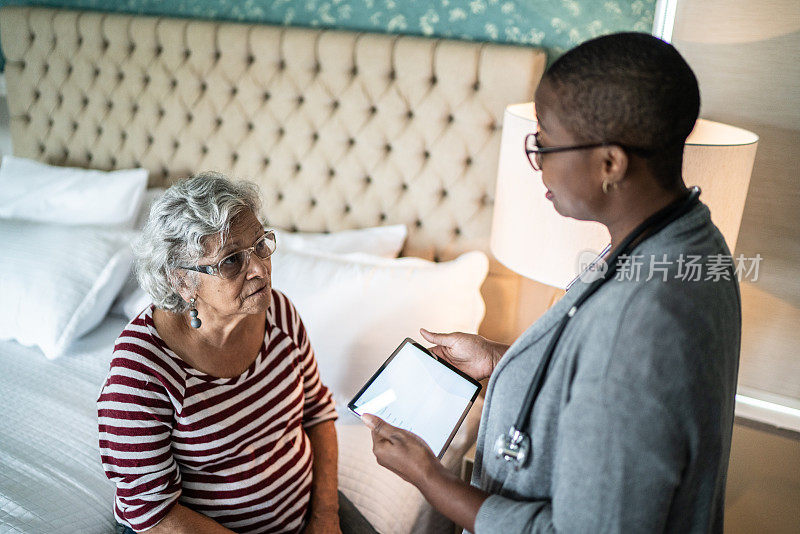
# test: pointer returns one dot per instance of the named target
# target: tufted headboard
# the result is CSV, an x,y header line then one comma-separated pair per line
x,y
340,130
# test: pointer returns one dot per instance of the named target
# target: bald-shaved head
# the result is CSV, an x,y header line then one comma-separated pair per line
x,y
632,89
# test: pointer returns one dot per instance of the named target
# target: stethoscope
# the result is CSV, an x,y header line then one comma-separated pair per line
x,y
515,446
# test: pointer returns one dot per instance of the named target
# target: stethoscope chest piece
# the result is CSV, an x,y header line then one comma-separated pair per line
x,y
514,447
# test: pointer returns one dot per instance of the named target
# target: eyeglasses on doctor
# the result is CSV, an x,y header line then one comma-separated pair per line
x,y
534,151
234,263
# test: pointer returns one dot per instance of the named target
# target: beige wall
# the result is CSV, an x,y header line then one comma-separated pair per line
x,y
745,55
763,493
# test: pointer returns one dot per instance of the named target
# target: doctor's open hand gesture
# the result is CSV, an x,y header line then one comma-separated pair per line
x,y
470,353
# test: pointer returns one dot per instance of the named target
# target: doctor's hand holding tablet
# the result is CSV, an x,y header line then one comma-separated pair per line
x,y
416,401
472,354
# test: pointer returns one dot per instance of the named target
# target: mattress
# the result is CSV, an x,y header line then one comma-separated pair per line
x,y
51,479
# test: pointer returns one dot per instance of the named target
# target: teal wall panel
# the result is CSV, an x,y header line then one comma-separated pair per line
x,y
556,25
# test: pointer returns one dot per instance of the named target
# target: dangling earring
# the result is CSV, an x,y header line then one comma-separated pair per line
x,y
193,314
607,185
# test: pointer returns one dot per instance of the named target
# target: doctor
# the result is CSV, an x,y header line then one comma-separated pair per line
x,y
613,412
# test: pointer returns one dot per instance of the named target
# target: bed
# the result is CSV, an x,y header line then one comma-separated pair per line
x,y
340,130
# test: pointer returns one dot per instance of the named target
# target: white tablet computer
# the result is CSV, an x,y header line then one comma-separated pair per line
x,y
415,391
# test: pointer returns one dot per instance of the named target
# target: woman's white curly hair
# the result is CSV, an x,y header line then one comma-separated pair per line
x,y
189,211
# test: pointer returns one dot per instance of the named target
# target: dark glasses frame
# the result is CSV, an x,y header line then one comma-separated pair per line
x,y
534,155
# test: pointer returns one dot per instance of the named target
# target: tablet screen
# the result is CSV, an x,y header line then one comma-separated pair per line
x,y
415,391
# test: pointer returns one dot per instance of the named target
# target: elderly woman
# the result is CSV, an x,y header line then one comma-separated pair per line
x,y
626,426
213,417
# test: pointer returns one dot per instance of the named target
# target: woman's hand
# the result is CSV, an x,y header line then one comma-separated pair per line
x,y
401,451
471,353
323,524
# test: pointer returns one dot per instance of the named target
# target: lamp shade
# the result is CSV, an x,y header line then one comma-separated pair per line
x,y
532,239
719,158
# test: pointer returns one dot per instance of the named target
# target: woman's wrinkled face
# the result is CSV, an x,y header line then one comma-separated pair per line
x,y
249,291
571,177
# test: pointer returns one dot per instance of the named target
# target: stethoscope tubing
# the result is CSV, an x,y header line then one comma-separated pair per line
x,y
657,222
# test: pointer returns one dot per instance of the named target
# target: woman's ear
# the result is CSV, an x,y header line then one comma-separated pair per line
x,y
183,284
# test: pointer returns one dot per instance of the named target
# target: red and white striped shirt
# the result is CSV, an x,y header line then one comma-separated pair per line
x,y
233,449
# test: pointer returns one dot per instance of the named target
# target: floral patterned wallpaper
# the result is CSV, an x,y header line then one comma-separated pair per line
x,y
556,25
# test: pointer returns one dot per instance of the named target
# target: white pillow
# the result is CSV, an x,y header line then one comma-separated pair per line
x,y
132,299
358,308
383,241
150,196
34,191
57,282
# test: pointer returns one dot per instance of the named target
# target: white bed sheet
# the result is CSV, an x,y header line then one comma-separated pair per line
x,y
51,480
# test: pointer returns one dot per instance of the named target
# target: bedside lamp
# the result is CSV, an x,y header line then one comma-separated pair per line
x,y
532,239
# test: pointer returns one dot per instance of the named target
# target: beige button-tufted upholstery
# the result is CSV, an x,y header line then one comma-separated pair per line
x,y
341,130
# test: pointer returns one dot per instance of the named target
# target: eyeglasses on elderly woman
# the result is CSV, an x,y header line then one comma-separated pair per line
x,y
234,263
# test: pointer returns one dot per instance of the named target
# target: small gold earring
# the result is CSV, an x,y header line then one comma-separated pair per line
x,y
607,185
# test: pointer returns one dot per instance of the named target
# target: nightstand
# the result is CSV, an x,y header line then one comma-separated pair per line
x,y
467,463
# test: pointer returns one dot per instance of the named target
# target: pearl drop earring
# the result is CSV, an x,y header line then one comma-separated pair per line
x,y
193,314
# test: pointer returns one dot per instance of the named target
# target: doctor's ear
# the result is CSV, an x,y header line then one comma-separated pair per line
x,y
614,164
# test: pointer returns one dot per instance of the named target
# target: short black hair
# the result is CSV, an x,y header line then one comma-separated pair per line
x,y
633,89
